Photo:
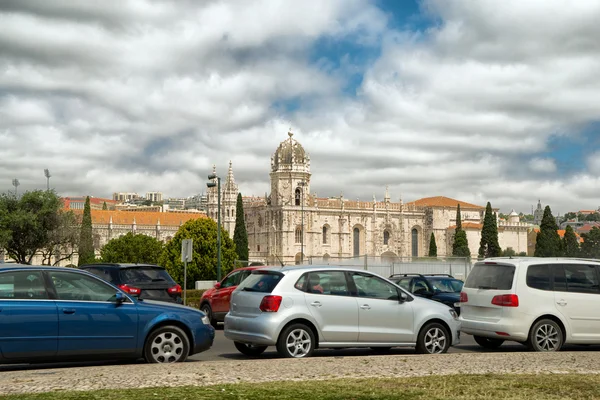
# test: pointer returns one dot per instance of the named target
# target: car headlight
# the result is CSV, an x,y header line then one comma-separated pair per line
x,y
205,320
453,313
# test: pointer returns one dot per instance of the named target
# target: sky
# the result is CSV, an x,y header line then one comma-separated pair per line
x,y
474,100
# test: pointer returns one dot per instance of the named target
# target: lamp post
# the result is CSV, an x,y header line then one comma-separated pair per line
x,y
16,184
47,175
218,185
301,186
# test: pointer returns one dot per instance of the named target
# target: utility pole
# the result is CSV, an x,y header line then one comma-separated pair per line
x,y
212,177
47,174
16,184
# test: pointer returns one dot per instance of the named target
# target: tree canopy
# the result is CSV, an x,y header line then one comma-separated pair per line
x,y
203,232
240,236
489,245
590,247
570,243
26,223
460,246
62,241
548,242
86,252
432,246
132,248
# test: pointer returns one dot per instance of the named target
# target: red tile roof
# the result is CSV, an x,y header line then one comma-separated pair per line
x,y
141,217
441,201
469,225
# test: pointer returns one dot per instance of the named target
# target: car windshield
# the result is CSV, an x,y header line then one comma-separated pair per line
x,y
446,285
146,274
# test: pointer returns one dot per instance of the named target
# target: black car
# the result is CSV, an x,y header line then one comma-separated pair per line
x,y
145,281
439,287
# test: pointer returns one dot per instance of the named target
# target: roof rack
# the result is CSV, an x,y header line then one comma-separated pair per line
x,y
447,275
396,275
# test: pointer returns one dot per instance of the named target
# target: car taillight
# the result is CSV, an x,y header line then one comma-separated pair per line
x,y
174,290
506,300
130,289
463,297
270,303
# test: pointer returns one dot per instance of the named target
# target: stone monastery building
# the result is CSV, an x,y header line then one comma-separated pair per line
x,y
292,225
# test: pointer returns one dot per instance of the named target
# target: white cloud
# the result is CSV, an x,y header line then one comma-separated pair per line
x,y
148,95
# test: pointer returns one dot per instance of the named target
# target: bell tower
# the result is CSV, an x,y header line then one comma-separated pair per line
x,y
290,174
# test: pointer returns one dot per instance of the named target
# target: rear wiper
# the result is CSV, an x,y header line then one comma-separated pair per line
x,y
487,287
249,289
159,280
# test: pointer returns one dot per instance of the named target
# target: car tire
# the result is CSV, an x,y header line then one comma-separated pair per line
x,y
249,350
545,336
488,343
167,344
433,338
296,341
207,309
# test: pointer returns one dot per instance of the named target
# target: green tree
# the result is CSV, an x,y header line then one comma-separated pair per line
x,y
203,232
488,245
590,247
86,251
568,216
460,247
104,206
593,217
432,246
62,241
548,242
570,243
26,222
132,248
240,236
509,252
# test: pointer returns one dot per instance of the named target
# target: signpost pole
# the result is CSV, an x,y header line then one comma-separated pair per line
x,y
186,255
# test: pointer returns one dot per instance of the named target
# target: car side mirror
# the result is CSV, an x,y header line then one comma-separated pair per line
x,y
401,297
217,285
119,298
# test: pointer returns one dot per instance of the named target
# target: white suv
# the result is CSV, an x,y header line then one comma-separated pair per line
x,y
540,302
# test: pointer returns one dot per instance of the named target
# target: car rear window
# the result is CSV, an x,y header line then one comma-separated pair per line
x,y
261,281
491,276
145,275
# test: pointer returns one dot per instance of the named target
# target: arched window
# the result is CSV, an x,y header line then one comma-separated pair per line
x,y
415,242
298,196
356,240
386,237
325,234
298,234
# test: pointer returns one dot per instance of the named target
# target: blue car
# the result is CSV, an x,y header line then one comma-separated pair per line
x,y
439,287
50,314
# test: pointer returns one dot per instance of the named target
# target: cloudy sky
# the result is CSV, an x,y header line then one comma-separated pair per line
x,y
476,100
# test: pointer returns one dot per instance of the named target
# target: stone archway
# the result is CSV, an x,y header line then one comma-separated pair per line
x,y
389,257
298,258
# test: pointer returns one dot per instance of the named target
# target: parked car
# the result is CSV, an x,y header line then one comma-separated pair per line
x,y
50,314
144,281
300,309
215,301
439,287
543,303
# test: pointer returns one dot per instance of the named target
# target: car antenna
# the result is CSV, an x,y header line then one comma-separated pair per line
x,y
281,262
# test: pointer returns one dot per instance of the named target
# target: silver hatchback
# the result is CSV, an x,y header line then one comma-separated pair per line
x,y
299,309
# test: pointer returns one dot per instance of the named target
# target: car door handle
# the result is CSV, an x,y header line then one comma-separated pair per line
x,y
316,304
365,307
561,303
68,310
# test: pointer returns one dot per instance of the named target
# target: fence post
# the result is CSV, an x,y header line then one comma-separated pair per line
x,y
366,263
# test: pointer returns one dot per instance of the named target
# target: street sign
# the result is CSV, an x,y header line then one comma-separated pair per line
x,y
186,250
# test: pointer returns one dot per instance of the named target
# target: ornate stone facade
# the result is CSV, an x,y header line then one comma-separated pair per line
x,y
292,223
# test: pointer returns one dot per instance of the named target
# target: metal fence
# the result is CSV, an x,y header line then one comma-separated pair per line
x,y
459,267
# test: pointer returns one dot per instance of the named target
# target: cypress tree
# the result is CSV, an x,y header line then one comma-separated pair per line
x,y
86,241
240,236
488,245
104,206
570,243
548,242
432,246
460,247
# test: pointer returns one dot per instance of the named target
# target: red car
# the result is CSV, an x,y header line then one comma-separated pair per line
x,y
215,302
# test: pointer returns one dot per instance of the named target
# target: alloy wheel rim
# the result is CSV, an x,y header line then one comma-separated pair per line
x,y
298,343
167,347
547,338
435,341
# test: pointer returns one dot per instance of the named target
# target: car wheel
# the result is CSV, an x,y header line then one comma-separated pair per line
x,y
488,343
206,309
167,344
546,335
249,350
433,339
296,341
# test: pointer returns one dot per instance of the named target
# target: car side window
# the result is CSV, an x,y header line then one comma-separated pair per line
x,y
581,278
538,277
80,287
22,285
405,284
231,280
102,273
420,286
373,287
328,282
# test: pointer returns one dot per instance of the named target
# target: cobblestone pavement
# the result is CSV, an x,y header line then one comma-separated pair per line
x,y
219,372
